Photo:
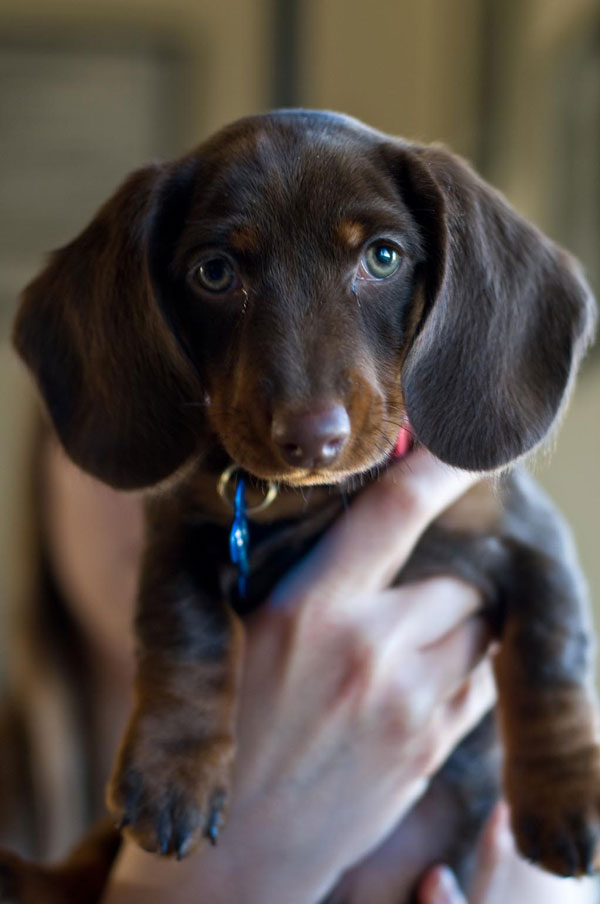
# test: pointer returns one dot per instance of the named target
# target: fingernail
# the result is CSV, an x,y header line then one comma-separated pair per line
x,y
441,887
501,826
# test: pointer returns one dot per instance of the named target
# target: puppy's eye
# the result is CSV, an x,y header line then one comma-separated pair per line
x,y
216,274
380,261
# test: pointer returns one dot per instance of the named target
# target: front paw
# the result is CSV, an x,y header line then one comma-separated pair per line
x,y
555,807
170,793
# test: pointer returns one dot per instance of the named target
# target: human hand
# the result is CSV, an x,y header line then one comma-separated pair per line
x,y
501,876
353,694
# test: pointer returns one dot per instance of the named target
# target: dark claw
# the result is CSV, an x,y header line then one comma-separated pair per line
x,y
215,818
182,839
163,833
530,832
588,843
567,853
185,820
587,861
181,848
588,851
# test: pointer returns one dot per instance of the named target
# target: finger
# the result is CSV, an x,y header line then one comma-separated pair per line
x,y
419,623
448,662
462,711
493,850
369,543
434,699
422,613
439,886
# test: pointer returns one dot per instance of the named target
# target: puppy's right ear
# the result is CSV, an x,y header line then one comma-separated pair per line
x,y
115,380
508,317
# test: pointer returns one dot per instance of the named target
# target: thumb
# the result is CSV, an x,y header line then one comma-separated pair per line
x,y
440,887
370,542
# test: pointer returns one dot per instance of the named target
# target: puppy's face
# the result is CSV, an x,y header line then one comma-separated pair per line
x,y
292,290
295,290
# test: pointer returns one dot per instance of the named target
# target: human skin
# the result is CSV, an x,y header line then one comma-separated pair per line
x,y
502,876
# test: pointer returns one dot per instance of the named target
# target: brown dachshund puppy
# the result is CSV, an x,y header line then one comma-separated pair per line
x,y
287,298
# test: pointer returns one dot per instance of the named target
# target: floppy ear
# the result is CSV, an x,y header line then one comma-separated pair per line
x,y
91,328
508,316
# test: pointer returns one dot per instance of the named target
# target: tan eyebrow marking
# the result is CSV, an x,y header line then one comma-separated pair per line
x,y
351,233
245,239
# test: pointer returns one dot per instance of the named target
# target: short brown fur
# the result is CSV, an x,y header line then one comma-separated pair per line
x,y
351,233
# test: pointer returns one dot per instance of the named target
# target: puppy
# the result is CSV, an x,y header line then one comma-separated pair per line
x,y
291,298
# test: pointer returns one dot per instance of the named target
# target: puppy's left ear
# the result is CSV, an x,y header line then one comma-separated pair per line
x,y
94,329
508,316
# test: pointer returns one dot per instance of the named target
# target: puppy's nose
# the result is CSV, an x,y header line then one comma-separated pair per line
x,y
313,438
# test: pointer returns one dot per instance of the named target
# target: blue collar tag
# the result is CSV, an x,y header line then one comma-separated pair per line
x,y
239,537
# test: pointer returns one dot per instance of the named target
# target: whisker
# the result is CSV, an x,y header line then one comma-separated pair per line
x,y
389,422
306,494
195,404
404,425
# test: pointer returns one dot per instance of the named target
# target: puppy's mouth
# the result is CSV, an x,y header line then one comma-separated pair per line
x,y
348,469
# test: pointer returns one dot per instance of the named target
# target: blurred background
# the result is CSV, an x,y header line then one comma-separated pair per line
x,y
90,89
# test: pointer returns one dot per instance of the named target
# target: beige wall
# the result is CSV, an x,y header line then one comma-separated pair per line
x,y
537,37
406,68
572,475
226,42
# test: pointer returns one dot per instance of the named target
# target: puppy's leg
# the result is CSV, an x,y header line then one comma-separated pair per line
x,y
171,781
548,716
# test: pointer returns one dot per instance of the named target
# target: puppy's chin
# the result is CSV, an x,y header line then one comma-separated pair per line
x,y
310,477
352,466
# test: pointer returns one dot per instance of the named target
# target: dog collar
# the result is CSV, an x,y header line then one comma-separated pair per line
x,y
404,442
239,535
229,479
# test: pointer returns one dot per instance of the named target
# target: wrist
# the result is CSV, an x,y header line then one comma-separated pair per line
x,y
228,872
254,869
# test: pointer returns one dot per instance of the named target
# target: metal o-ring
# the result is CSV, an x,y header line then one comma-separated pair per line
x,y
226,479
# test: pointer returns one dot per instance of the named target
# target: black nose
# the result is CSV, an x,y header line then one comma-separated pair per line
x,y
313,438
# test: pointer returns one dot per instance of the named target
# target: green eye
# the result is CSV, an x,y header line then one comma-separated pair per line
x,y
216,274
381,260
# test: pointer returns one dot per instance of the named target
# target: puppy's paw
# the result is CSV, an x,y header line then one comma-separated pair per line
x,y
555,807
168,795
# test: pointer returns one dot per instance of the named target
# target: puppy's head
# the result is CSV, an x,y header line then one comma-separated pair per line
x,y
294,290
